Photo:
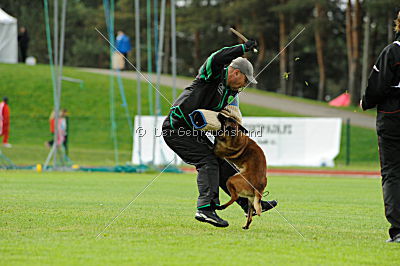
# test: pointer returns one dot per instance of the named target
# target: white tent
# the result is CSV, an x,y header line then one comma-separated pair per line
x,y
8,38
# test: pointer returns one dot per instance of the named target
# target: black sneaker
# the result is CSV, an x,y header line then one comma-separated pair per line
x,y
265,206
210,217
395,239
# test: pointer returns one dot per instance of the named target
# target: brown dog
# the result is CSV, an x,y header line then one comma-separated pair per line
x,y
233,145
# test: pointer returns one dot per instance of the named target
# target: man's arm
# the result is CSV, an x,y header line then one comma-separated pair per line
x,y
379,81
214,64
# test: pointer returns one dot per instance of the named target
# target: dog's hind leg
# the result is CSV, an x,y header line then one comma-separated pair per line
x,y
249,215
232,190
257,203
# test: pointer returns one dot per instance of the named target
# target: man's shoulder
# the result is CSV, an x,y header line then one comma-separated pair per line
x,y
390,51
393,52
200,82
212,78
394,47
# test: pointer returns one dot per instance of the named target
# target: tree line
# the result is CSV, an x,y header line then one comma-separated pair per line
x,y
333,54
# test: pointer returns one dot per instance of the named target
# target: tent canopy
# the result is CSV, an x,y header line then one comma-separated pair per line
x,y
342,100
6,18
8,38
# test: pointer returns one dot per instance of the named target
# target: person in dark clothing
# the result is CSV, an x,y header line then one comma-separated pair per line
x,y
216,85
383,92
23,43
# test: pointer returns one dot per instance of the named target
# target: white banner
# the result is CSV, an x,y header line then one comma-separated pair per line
x,y
296,141
285,141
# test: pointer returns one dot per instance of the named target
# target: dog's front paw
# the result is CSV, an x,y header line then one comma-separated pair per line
x,y
246,227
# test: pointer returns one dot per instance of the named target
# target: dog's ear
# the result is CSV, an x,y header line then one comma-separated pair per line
x,y
232,120
222,118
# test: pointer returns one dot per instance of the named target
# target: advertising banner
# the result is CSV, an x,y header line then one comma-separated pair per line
x,y
285,141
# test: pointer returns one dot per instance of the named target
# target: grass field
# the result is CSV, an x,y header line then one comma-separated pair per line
x,y
53,218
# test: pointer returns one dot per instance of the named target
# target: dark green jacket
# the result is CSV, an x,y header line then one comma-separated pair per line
x,y
208,91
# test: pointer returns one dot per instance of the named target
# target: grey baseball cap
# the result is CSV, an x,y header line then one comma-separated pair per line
x,y
245,67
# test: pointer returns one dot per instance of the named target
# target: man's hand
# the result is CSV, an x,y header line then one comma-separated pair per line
x,y
250,45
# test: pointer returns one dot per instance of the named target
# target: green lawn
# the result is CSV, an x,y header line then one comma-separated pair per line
x,y
53,218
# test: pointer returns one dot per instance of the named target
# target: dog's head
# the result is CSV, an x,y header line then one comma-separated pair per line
x,y
232,133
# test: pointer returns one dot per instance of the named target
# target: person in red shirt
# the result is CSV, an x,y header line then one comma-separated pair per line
x,y
5,122
52,125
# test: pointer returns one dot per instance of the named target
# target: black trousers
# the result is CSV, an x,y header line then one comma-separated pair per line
x,y
23,50
212,172
389,153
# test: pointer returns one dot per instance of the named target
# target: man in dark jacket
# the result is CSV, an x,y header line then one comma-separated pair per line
x,y
383,92
216,85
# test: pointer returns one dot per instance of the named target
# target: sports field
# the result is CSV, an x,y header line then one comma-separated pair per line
x,y
53,218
